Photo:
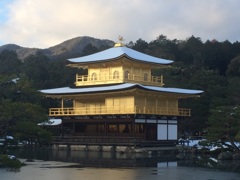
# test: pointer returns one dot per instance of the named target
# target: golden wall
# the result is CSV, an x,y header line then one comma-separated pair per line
x,y
143,103
122,65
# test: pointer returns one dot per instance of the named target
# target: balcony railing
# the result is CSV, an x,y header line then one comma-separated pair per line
x,y
85,80
118,110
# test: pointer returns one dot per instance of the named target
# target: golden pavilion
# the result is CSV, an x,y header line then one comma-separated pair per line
x,y
119,101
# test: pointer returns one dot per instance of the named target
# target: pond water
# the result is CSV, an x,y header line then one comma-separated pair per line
x,y
71,165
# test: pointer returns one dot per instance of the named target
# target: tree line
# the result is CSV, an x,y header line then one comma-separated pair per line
x,y
211,66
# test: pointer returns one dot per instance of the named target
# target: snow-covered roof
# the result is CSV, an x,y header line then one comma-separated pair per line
x,y
51,122
117,52
68,90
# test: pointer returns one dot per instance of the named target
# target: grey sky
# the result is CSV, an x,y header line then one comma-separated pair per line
x,y
44,23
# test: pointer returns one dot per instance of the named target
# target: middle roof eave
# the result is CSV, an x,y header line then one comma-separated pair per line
x,y
124,86
117,52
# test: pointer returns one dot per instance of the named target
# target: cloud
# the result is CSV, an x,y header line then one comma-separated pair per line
x,y
44,23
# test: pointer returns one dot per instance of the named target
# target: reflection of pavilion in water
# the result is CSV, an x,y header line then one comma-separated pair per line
x,y
113,159
119,160
107,159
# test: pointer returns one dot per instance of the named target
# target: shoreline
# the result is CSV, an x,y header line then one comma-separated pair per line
x,y
55,170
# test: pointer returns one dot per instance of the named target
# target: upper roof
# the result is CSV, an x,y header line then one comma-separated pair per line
x,y
117,52
68,90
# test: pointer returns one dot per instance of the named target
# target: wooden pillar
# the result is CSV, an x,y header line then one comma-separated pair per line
x,y
62,103
145,104
133,127
167,105
105,128
156,105
131,70
117,128
62,133
73,128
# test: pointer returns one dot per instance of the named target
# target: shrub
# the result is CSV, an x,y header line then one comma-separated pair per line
x,y
11,163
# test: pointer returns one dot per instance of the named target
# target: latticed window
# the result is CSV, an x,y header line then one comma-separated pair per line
x,y
94,76
126,75
145,77
115,75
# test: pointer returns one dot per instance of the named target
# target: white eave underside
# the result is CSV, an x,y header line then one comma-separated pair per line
x,y
117,52
68,90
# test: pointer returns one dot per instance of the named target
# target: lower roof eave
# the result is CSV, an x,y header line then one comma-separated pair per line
x,y
119,87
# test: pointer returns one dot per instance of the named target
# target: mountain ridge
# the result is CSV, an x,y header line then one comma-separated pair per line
x,y
67,49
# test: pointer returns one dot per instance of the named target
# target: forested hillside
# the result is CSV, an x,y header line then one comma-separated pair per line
x,y
211,66
68,49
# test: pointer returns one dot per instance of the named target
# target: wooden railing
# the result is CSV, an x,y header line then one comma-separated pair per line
x,y
118,110
94,140
163,111
85,80
136,140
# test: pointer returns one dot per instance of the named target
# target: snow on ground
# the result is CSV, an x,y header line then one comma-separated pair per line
x,y
195,143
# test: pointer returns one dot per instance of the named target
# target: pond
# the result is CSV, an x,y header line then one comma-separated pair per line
x,y
64,165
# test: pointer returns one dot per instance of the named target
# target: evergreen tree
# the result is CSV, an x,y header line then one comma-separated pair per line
x,y
20,104
9,63
224,125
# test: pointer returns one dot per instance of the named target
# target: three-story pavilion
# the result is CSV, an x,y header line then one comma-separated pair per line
x,y
119,101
